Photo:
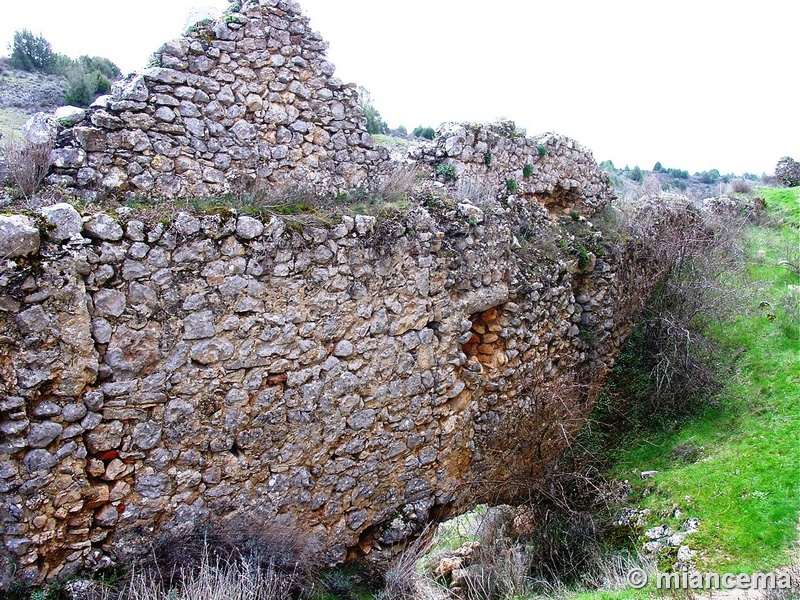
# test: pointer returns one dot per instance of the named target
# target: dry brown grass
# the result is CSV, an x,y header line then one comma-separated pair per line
x,y
27,165
212,579
741,186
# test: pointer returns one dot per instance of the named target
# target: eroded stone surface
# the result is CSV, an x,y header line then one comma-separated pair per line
x,y
329,381
18,236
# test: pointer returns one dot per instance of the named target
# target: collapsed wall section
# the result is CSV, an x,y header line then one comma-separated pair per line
x,y
248,97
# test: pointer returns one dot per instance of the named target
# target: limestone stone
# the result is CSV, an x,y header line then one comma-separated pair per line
x,y
101,330
18,236
93,400
103,227
46,409
249,228
39,129
104,437
130,351
106,516
74,412
65,221
131,88
212,351
365,224
161,75
41,435
38,460
33,320
199,325
117,469
14,427
69,115
343,349
152,486
146,435
109,303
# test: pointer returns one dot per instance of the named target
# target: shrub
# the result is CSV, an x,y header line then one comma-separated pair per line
x,y
487,158
677,173
400,578
212,577
232,553
375,123
31,52
424,132
608,165
99,64
788,171
83,87
651,185
542,149
636,174
583,257
741,186
668,367
657,168
446,171
511,185
709,177
28,165
527,170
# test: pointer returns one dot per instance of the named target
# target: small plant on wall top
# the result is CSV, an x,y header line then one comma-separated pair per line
x,y
511,185
487,158
446,171
527,170
542,149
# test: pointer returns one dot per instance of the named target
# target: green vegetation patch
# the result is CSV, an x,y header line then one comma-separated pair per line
x,y
736,464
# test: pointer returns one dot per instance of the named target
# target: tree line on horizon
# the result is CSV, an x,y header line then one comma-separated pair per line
x,y
87,76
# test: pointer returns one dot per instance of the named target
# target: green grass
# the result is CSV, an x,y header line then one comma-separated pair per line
x,y
11,122
745,487
396,146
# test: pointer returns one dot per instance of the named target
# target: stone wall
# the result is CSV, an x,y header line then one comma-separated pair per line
x,y
352,382
248,97
499,158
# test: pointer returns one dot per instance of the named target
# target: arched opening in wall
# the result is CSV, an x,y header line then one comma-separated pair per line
x,y
486,346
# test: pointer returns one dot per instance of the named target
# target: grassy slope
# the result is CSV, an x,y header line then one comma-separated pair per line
x,y
746,488
11,122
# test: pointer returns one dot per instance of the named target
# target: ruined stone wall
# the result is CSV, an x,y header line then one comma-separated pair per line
x,y
248,97
352,382
498,158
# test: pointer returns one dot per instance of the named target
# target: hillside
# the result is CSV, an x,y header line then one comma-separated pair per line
x,y
24,93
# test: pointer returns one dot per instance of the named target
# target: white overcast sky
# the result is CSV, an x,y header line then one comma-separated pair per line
x,y
694,84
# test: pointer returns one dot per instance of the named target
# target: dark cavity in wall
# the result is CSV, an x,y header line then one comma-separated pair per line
x,y
486,346
562,198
